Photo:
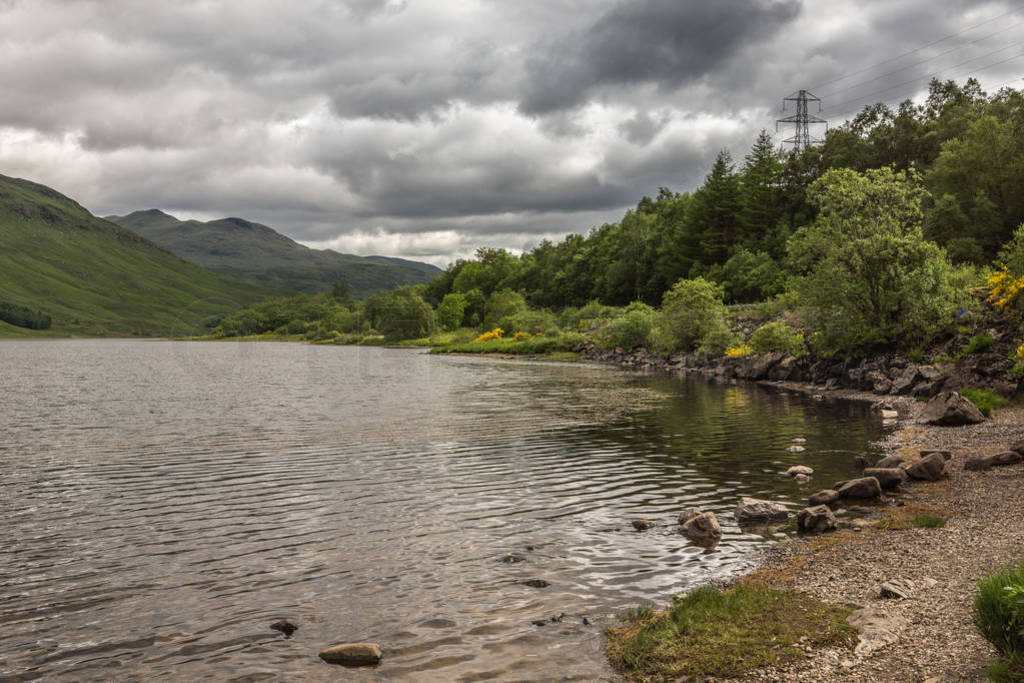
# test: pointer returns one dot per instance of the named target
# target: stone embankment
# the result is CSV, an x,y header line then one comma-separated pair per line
x,y
881,375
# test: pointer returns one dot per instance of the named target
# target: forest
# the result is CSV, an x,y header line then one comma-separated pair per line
x,y
874,238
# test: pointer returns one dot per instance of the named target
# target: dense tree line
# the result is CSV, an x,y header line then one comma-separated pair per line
x,y
870,238
23,316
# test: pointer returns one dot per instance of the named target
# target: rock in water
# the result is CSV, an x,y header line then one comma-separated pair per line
x,y
753,511
801,479
353,654
890,461
642,524
826,497
888,477
536,583
931,468
703,528
950,409
816,520
865,488
686,515
285,626
860,462
795,449
799,469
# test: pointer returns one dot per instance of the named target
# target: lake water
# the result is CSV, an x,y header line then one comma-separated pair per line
x,y
164,502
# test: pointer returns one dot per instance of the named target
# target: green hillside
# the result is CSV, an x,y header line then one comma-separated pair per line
x,y
95,278
256,253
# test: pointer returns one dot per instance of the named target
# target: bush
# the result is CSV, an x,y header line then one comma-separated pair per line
x,y
629,329
690,312
986,400
978,343
22,316
999,614
776,336
529,322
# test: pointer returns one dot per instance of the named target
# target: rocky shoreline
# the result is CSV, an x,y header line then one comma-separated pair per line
x,y
913,588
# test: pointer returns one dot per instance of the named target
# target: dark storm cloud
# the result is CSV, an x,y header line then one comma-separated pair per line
x,y
667,42
428,127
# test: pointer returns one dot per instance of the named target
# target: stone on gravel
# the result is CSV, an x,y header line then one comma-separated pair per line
x,y
865,487
890,461
826,497
1006,458
977,463
950,409
898,589
946,455
353,654
816,520
983,462
877,629
754,511
1018,447
888,477
799,469
931,468
703,528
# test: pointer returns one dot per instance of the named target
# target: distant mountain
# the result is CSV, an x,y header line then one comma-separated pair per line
x,y
259,254
89,276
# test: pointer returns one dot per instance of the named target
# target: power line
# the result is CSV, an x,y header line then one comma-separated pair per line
x,y
917,49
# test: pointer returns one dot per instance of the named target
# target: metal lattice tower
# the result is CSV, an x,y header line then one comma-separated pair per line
x,y
802,118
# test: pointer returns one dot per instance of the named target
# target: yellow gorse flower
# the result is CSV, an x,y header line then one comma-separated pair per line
x,y
1003,289
738,350
519,336
493,334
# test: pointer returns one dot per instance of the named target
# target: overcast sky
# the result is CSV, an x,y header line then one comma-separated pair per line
x,y
427,128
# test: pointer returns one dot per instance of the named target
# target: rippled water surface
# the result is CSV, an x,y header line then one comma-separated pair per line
x,y
164,502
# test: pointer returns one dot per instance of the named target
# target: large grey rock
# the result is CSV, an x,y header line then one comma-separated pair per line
x,y
984,462
950,409
898,589
863,488
353,654
686,515
931,468
877,629
904,384
756,511
799,469
826,497
816,520
703,528
888,477
890,461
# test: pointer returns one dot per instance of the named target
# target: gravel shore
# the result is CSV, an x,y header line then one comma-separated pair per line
x,y
934,638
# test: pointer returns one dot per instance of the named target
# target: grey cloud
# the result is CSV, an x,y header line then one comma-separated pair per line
x,y
643,127
667,42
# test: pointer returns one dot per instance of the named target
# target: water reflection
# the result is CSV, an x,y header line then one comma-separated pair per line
x,y
166,502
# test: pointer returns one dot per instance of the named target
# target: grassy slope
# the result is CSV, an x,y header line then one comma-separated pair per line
x,y
254,252
93,277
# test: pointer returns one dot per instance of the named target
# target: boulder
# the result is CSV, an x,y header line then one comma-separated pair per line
x,y
890,461
863,488
931,468
686,515
816,520
799,469
898,589
642,524
904,384
353,654
877,629
984,462
888,477
703,528
755,511
946,455
826,497
860,462
950,409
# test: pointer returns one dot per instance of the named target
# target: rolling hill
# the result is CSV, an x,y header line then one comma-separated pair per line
x,y
259,254
92,277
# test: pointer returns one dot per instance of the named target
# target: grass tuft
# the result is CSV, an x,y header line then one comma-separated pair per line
x,y
986,400
999,616
725,633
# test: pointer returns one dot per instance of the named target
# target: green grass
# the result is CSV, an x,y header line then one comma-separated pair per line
x,y
985,400
915,522
978,343
539,345
998,614
726,633
96,279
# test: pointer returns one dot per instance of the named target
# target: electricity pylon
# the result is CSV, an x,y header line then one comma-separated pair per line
x,y
803,120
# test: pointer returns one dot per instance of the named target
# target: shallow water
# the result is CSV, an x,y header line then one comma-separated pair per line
x,y
164,502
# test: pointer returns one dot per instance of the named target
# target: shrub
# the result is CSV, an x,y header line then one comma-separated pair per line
x,y
23,316
690,311
986,400
451,310
492,334
999,614
776,336
629,329
978,343
529,322
738,350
